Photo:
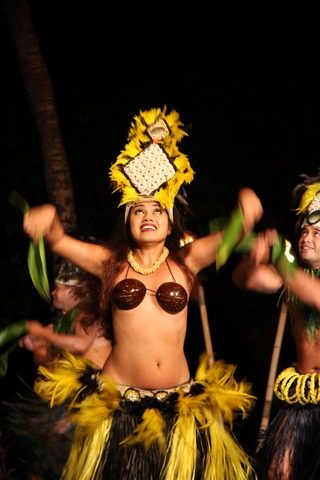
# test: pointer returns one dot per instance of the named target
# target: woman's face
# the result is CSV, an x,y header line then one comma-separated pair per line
x,y
149,222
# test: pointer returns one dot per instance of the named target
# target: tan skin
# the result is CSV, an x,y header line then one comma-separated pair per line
x,y
88,343
254,273
148,349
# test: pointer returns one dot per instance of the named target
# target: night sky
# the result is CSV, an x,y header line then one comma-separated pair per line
x,y
247,82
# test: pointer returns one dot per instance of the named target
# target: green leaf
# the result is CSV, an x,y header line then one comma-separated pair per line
x,y
229,238
245,244
12,332
4,359
18,201
38,269
36,254
8,339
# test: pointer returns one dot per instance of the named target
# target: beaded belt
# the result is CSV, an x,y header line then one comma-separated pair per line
x,y
133,394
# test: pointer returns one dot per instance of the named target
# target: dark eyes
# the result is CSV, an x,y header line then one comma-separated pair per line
x,y
139,211
315,233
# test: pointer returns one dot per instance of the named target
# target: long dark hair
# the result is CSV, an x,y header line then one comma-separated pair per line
x,y
86,288
88,310
122,242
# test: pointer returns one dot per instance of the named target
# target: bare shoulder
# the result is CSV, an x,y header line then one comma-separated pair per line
x,y
203,252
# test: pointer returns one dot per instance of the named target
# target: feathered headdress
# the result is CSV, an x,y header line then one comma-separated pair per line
x,y
151,165
309,205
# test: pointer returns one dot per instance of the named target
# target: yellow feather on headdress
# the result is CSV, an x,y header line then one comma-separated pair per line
x,y
151,165
307,197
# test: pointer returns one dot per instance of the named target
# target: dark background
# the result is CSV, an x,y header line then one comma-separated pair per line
x,y
246,79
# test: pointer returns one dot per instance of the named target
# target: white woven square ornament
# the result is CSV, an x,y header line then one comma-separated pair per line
x,y
149,170
315,204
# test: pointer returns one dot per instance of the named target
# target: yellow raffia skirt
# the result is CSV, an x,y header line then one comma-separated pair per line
x,y
121,433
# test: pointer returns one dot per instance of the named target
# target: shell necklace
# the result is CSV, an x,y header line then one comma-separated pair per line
x,y
147,271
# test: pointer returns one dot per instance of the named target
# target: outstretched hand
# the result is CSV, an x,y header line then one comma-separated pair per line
x,y
43,221
241,222
34,339
251,207
261,246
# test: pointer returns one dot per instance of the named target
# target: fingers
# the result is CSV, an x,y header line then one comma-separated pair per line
x,y
27,342
260,252
272,235
38,221
251,207
33,230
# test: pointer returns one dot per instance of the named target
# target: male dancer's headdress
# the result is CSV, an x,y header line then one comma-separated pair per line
x,y
151,165
309,205
69,274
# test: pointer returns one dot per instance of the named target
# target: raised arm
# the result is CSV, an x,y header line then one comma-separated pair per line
x,y
251,207
256,272
44,221
204,250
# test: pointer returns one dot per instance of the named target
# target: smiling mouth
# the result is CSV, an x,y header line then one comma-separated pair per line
x,y
149,228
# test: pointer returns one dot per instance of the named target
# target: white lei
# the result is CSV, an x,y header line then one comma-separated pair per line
x,y
147,271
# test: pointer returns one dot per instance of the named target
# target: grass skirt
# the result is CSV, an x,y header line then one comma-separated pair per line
x,y
183,434
293,437
35,439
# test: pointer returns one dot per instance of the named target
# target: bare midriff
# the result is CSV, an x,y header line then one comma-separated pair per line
x,y
151,355
307,348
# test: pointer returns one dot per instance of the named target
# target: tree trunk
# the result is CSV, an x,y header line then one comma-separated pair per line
x,y
42,102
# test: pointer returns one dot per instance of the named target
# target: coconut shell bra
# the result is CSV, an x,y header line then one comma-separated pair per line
x,y
129,293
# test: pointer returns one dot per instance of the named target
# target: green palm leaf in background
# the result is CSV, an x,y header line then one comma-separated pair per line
x,y
38,273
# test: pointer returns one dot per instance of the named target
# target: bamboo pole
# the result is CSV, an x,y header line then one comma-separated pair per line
x,y
273,367
205,324
206,333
